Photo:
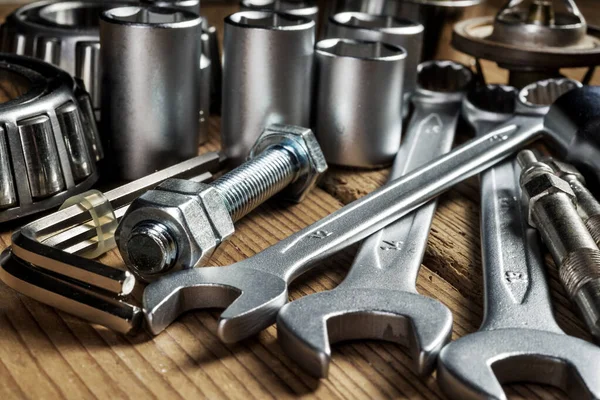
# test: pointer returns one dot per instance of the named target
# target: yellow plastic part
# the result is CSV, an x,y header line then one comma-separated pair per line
x,y
103,219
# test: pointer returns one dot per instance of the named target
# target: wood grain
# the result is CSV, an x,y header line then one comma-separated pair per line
x,y
45,353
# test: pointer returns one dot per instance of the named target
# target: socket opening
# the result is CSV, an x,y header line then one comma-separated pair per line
x,y
147,16
378,22
499,99
174,3
278,5
444,76
269,20
544,93
360,49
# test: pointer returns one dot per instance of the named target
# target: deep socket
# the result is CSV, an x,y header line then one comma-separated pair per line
x,y
150,99
359,101
267,76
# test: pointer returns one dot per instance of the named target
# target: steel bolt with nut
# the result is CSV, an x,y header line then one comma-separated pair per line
x,y
552,211
180,223
587,205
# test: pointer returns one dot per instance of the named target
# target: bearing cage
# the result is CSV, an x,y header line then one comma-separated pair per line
x,y
49,142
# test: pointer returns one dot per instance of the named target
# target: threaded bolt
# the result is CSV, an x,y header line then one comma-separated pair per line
x,y
554,214
151,248
587,205
257,180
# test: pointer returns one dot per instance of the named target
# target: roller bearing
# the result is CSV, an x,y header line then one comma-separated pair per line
x,y
63,33
49,142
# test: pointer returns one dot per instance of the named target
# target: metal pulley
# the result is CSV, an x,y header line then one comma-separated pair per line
x,y
533,39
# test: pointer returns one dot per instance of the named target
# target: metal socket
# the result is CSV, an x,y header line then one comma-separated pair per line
x,y
205,98
150,99
380,28
433,14
359,101
267,76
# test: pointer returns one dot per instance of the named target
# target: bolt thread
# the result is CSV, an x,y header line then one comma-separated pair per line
x,y
255,181
593,226
579,268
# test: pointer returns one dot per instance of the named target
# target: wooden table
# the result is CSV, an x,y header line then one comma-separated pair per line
x,y
47,354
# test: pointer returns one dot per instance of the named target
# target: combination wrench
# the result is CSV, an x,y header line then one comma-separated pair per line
x,y
253,290
379,299
519,340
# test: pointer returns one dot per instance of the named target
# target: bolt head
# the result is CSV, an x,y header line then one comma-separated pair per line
x,y
564,170
193,214
303,143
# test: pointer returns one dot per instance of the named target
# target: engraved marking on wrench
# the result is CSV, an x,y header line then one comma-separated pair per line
x,y
516,281
391,245
321,234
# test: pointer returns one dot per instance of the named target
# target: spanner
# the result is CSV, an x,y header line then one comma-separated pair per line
x,y
379,299
253,290
519,340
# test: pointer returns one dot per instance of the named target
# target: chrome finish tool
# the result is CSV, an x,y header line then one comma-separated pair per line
x,y
253,290
358,111
553,212
378,298
49,143
211,78
267,76
433,14
519,340
149,126
302,8
179,224
380,28
46,260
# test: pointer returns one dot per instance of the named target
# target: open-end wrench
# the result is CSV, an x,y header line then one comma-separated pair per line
x,y
378,299
253,290
519,340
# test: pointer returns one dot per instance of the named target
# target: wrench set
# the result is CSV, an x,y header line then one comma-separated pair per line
x,y
365,95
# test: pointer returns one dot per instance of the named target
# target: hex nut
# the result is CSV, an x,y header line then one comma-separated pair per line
x,y
542,185
194,214
303,143
563,170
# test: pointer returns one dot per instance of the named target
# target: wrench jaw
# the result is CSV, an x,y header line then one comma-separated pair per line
x,y
486,106
247,310
442,81
306,327
544,93
475,366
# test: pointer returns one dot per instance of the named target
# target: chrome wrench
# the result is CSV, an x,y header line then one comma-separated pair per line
x,y
253,290
379,299
519,340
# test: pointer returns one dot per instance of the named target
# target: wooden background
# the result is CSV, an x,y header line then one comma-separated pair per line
x,y
46,354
